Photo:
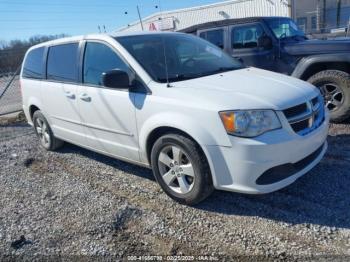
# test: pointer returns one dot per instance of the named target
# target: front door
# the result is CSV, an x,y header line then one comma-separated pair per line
x,y
244,46
108,114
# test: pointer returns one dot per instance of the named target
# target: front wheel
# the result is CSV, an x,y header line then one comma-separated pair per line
x,y
181,169
335,88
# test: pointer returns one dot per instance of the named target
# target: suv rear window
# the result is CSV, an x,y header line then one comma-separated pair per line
x,y
34,64
62,63
215,37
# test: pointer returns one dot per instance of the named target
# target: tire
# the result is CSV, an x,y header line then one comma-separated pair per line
x,y
44,132
335,88
197,181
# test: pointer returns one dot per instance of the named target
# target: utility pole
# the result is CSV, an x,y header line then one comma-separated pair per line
x,y
324,24
338,12
318,16
138,11
293,9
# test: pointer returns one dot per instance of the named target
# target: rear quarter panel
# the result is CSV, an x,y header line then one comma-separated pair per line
x,y
31,95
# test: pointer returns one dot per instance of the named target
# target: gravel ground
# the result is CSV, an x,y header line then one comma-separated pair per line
x,y
78,203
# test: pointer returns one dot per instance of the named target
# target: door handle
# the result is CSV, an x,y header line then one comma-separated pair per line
x,y
70,95
85,98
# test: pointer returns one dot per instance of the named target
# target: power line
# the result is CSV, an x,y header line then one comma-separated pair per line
x,y
93,7
58,19
45,28
45,3
47,12
63,12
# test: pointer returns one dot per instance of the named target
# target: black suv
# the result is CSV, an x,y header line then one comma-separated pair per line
x,y
277,44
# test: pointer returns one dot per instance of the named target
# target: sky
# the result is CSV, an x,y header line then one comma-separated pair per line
x,y
20,19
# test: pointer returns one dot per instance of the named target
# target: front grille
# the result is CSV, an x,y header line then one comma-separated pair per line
x,y
295,110
300,126
315,100
306,117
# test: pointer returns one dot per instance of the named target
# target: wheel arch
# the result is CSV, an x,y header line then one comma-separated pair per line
x,y
309,66
34,104
161,131
163,123
32,110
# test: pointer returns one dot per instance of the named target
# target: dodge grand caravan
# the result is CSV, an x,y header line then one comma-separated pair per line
x,y
179,105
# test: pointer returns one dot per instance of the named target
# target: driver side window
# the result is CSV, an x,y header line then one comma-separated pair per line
x,y
99,58
246,36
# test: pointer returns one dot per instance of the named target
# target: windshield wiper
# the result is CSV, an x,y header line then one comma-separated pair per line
x,y
295,37
220,70
228,68
181,77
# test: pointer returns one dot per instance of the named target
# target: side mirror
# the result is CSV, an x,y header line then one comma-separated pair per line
x,y
265,42
116,78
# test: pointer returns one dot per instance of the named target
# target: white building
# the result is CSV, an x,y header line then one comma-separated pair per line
x,y
183,18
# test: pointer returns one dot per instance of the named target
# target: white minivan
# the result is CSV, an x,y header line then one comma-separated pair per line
x,y
179,105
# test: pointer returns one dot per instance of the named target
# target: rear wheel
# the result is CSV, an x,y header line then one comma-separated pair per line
x,y
335,88
181,169
44,132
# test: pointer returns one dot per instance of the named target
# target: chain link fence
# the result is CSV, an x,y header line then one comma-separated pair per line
x,y
10,93
12,120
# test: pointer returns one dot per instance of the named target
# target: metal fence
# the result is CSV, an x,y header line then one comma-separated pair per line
x,y
10,93
11,125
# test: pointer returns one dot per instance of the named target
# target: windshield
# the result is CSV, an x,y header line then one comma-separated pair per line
x,y
285,28
186,56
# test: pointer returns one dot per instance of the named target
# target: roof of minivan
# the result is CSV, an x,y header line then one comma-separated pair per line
x,y
194,28
133,33
98,37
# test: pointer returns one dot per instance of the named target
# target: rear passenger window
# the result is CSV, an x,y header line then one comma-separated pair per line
x,y
215,37
62,63
246,36
34,64
98,59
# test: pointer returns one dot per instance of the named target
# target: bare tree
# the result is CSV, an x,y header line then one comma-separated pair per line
x,y
12,52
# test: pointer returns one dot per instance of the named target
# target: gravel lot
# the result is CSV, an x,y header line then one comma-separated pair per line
x,y
76,202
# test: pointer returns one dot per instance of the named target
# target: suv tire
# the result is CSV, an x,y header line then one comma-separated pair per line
x,y
181,169
44,132
335,88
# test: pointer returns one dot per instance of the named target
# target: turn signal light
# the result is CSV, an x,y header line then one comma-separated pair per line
x,y
228,119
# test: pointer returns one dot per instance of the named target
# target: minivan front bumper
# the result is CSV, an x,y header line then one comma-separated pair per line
x,y
267,163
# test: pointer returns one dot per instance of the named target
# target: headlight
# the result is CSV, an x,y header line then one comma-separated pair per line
x,y
249,123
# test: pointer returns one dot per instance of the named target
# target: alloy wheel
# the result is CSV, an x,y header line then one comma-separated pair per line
x,y
333,96
176,169
43,132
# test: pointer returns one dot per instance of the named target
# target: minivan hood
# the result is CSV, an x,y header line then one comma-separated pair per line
x,y
249,88
309,47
